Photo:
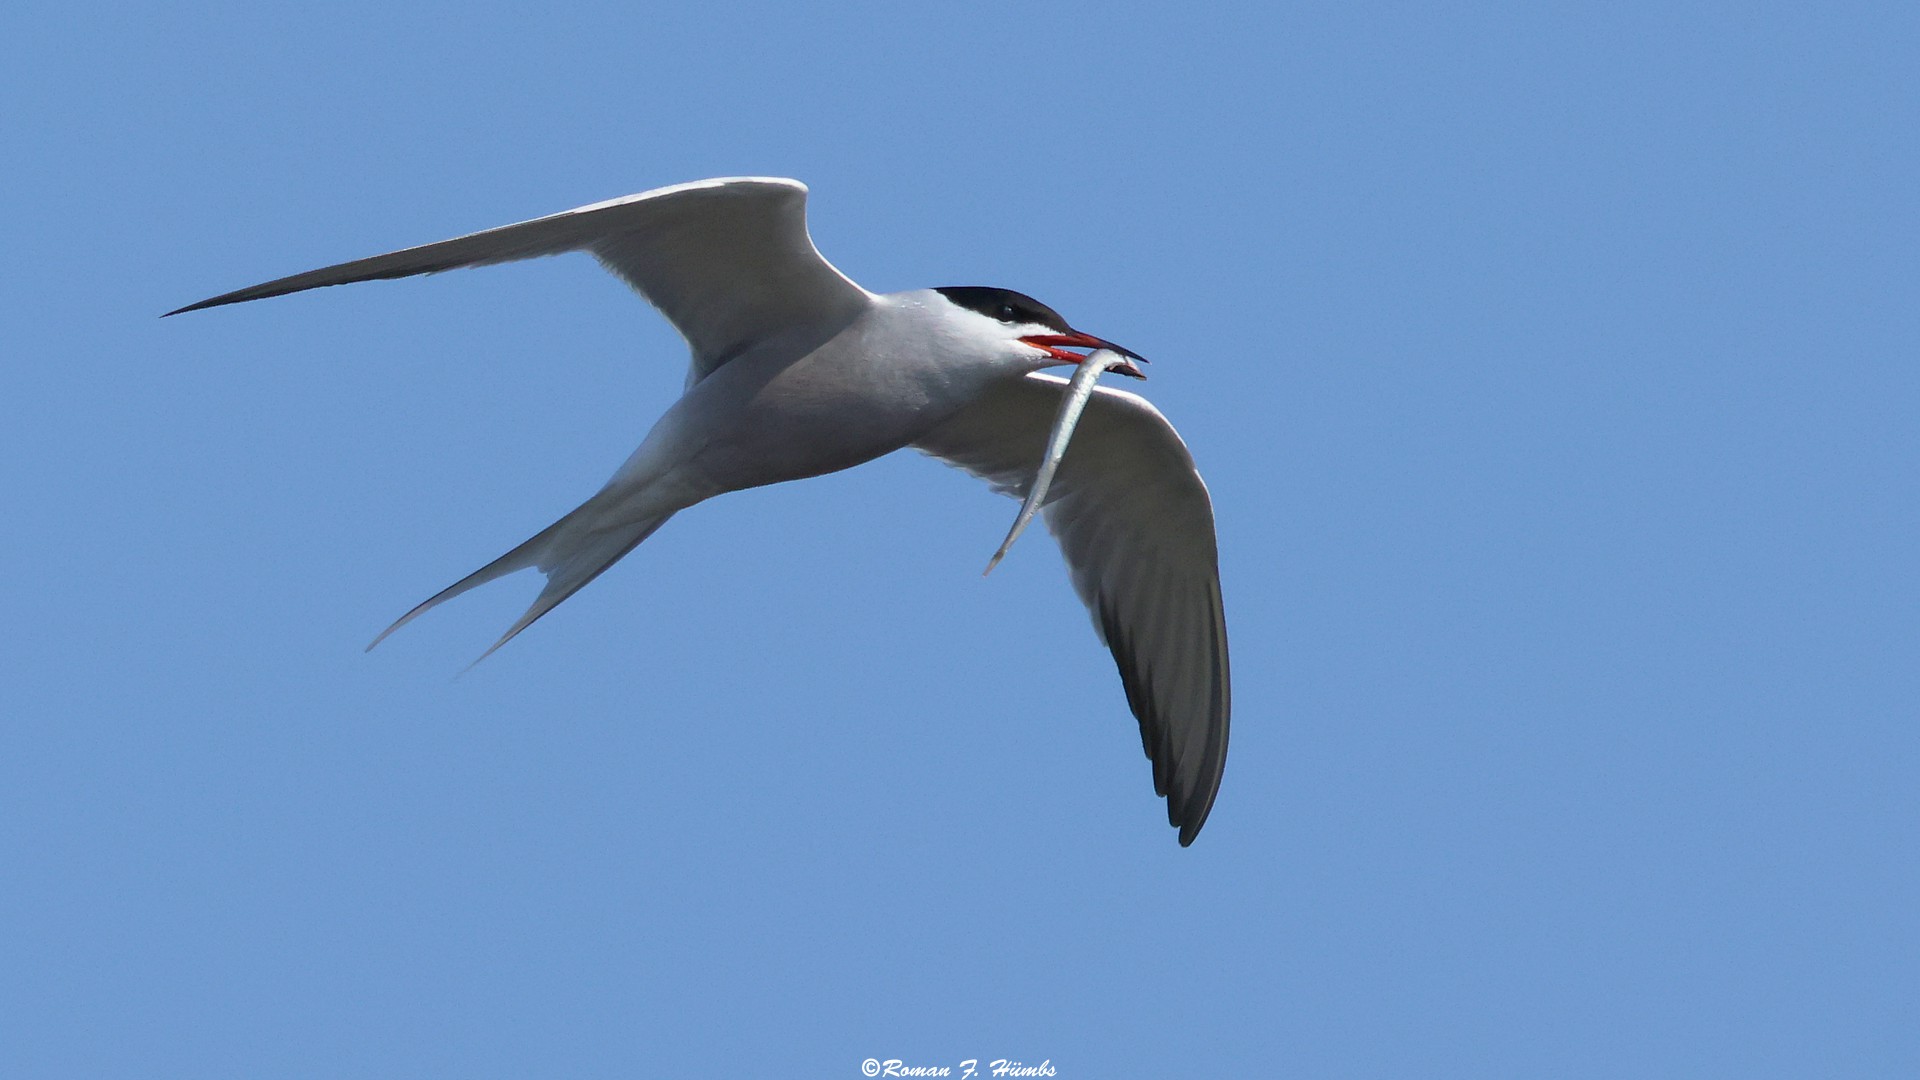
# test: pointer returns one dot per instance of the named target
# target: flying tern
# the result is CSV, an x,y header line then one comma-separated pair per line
x,y
797,371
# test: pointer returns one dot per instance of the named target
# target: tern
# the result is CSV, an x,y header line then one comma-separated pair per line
x,y
797,371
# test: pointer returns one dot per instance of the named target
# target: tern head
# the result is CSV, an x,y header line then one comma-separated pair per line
x,y
1036,327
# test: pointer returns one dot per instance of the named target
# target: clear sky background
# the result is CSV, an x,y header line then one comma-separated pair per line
x,y
1553,370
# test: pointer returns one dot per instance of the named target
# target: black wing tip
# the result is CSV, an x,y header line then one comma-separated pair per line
x,y
201,306
1190,822
1188,810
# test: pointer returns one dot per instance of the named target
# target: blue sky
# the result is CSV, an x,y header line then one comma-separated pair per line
x,y
1553,371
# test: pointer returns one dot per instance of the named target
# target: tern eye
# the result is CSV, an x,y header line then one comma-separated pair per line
x,y
1004,305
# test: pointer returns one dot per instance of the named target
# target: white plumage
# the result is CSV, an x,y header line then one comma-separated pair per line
x,y
797,371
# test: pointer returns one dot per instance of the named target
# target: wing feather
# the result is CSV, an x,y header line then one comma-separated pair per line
x,y
727,261
1136,525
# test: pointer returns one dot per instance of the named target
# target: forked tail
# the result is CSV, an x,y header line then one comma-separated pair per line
x,y
571,552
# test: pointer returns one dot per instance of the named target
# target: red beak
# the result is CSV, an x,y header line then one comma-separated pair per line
x,y
1056,346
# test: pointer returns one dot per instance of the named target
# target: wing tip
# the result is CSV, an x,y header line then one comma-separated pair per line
x,y
1187,821
1188,810
240,296
189,307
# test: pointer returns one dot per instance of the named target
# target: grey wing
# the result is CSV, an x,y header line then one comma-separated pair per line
x,y
1135,523
727,261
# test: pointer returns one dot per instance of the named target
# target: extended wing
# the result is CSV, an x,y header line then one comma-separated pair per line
x,y
1136,525
727,261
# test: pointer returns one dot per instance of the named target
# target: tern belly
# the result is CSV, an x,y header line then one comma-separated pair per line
x,y
869,391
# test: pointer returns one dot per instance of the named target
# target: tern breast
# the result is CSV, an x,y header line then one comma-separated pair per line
x,y
885,380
